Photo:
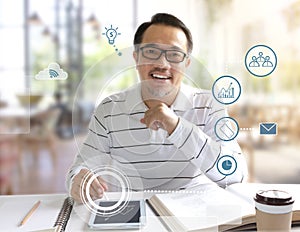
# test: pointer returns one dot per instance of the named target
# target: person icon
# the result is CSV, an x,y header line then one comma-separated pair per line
x,y
267,62
260,58
254,62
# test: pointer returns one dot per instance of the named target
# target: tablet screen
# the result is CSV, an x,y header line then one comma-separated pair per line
x,y
132,216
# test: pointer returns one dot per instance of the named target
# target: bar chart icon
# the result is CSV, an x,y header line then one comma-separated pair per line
x,y
226,93
226,90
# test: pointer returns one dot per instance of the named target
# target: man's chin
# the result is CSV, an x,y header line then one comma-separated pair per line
x,y
158,91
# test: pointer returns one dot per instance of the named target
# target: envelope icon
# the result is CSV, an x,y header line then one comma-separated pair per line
x,y
268,128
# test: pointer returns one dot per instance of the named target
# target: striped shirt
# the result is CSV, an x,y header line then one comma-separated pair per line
x,y
153,159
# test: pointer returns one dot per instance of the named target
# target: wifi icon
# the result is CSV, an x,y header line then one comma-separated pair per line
x,y
53,73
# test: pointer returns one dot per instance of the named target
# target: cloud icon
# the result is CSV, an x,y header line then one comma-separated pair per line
x,y
53,72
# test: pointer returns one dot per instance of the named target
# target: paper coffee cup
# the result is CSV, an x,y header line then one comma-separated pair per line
x,y
273,210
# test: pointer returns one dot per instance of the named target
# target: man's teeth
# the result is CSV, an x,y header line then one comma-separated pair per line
x,y
159,76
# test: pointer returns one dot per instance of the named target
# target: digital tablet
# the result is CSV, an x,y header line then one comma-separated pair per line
x,y
132,216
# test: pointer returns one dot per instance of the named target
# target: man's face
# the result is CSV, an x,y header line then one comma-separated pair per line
x,y
162,76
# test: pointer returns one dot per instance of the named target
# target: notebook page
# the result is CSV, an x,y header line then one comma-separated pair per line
x,y
211,202
43,218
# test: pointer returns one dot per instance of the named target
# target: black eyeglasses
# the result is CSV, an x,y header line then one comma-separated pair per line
x,y
154,53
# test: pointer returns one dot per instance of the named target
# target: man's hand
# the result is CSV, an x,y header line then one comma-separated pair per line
x,y
160,116
97,187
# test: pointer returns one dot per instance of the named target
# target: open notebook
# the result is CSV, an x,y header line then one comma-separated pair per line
x,y
210,208
62,217
52,215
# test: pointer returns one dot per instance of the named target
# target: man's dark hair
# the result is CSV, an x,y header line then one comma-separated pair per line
x,y
164,19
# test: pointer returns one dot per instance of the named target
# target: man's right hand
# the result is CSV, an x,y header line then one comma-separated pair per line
x,y
97,187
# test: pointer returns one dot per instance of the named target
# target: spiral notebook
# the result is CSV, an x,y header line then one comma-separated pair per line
x,y
64,215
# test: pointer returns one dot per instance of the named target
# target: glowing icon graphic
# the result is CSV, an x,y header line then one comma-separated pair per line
x,y
226,93
53,73
226,128
260,60
227,165
226,90
111,34
268,128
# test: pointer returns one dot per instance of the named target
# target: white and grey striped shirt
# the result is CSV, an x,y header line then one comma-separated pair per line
x,y
153,159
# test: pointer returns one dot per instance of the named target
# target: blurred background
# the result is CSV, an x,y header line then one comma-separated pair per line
x,y
43,121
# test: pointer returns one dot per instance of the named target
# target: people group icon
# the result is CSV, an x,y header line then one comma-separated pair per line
x,y
260,61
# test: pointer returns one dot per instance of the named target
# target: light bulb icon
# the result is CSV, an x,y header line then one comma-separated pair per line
x,y
111,34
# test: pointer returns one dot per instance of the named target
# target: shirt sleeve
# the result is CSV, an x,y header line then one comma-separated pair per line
x,y
94,151
207,151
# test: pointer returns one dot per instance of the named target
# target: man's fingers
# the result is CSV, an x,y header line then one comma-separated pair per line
x,y
103,183
152,123
97,188
160,116
79,186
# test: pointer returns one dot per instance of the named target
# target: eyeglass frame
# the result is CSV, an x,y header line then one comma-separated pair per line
x,y
185,55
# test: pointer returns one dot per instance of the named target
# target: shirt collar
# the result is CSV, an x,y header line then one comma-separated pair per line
x,y
184,99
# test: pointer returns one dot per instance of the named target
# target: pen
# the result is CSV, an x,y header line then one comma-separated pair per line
x,y
31,211
105,196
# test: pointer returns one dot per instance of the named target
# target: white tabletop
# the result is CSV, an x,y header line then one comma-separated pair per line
x,y
13,208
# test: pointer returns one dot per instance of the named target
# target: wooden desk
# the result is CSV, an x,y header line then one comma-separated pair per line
x,y
16,120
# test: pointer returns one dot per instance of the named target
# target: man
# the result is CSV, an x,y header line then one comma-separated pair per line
x,y
160,133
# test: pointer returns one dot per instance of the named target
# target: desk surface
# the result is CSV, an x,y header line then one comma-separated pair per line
x,y
14,207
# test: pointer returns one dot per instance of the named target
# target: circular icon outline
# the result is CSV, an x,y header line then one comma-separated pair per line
x,y
232,137
260,45
235,99
231,158
98,209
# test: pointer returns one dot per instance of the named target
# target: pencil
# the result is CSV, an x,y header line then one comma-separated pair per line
x,y
31,211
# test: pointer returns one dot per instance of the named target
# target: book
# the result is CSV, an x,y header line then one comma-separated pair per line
x,y
211,208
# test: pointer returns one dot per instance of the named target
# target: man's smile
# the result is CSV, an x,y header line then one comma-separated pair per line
x,y
160,76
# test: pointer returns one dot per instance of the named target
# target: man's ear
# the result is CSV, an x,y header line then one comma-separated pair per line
x,y
135,56
188,62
